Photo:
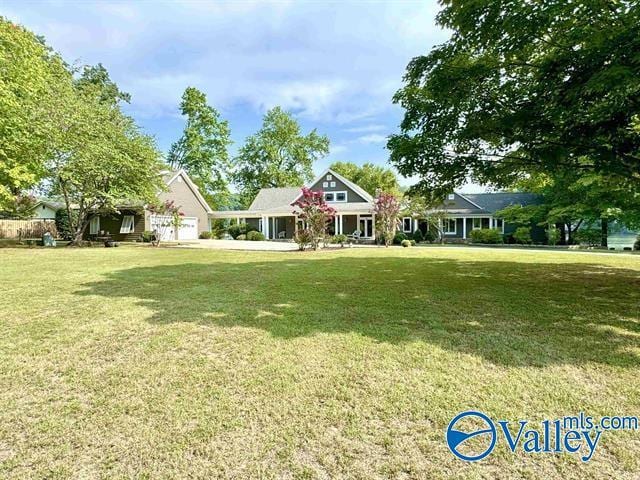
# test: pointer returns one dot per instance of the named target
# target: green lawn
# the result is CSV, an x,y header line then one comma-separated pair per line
x,y
156,363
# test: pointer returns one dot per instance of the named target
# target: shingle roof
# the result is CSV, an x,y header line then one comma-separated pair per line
x,y
273,198
492,202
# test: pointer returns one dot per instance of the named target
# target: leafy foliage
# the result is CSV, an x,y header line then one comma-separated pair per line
x,y
202,150
406,243
523,87
387,212
372,178
316,214
522,235
417,236
486,235
278,155
255,236
32,82
20,206
239,229
398,238
303,237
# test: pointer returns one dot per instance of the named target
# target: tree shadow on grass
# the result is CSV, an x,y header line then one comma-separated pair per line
x,y
510,313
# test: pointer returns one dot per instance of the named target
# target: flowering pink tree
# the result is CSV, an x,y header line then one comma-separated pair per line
x,y
312,208
167,216
387,210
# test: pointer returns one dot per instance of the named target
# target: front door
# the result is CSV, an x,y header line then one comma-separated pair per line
x,y
366,226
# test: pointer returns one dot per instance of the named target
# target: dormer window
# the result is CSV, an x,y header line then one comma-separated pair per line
x,y
335,197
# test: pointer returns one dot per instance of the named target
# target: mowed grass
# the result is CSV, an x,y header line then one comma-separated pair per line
x,y
168,363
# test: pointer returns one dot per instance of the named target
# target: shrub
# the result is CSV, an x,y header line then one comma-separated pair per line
x,y
303,238
487,235
406,243
241,229
63,225
205,235
339,239
413,243
553,235
398,238
147,236
636,246
241,237
417,236
589,236
255,236
522,235
430,236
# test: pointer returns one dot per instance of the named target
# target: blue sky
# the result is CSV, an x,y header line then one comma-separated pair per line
x,y
335,65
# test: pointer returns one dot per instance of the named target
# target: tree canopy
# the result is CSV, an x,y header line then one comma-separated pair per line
x,y
32,78
523,87
202,150
278,155
370,177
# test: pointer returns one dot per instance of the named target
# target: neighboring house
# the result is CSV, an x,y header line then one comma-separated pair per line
x,y
46,209
621,238
271,212
466,212
133,218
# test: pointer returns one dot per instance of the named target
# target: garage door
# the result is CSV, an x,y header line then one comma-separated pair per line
x,y
162,224
188,229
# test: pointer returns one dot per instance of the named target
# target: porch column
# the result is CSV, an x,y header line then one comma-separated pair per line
x,y
490,222
340,225
415,224
335,225
464,227
295,224
373,226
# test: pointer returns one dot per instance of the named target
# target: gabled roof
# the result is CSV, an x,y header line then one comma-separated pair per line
x,y
169,177
348,183
492,202
270,198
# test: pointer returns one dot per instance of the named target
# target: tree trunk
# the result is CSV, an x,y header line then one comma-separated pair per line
x,y
563,233
604,228
77,236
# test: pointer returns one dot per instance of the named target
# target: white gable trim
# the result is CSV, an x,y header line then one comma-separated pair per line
x,y
193,188
348,183
471,202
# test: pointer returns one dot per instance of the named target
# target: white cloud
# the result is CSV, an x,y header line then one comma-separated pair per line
x,y
366,128
372,138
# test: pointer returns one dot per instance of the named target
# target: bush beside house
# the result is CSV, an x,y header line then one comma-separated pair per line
x,y
491,236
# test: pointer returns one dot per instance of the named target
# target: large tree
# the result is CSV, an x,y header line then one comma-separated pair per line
x,y
523,86
202,150
372,178
278,155
32,82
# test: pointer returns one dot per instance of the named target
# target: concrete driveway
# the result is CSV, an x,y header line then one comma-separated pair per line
x,y
240,245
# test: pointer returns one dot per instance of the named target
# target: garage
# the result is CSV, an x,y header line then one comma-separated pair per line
x,y
162,224
188,229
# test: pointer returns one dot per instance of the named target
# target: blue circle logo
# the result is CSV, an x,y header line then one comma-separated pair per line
x,y
466,426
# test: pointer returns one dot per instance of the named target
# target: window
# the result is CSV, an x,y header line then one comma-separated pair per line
x,y
335,196
329,177
452,196
94,226
477,223
406,224
325,184
333,184
127,224
498,223
449,226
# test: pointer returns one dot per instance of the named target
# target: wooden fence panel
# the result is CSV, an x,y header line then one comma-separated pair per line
x,y
32,228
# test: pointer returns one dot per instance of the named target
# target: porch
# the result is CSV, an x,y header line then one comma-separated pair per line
x,y
281,226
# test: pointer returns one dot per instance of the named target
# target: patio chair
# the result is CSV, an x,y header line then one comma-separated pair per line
x,y
282,235
355,236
